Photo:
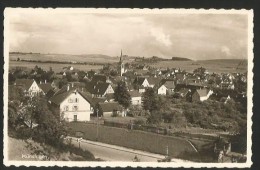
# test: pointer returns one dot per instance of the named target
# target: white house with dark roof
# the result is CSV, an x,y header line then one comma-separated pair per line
x,y
167,87
29,85
99,89
201,94
73,105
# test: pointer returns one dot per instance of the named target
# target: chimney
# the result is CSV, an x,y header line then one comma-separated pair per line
x,y
45,81
68,87
94,87
72,84
82,89
40,82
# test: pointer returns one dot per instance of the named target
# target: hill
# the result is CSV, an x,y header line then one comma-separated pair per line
x,y
180,59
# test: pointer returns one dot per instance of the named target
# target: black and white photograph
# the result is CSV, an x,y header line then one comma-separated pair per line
x,y
128,87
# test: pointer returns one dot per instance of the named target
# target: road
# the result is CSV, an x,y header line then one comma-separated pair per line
x,y
108,152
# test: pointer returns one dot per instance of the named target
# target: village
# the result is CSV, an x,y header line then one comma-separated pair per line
x,y
135,96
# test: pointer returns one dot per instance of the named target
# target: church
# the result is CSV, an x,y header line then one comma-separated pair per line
x,y
121,65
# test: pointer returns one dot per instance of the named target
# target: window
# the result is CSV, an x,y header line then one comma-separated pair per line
x,y
75,108
66,108
76,100
70,100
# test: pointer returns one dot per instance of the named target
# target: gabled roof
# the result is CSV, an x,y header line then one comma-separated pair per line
x,y
202,92
169,84
61,95
109,107
46,87
97,88
153,81
25,83
134,93
92,100
139,80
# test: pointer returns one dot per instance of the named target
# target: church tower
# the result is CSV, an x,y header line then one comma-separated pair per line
x,y
121,64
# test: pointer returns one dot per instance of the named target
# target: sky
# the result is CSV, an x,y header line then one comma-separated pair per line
x,y
194,36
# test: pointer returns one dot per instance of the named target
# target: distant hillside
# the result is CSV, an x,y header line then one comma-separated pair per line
x,y
89,58
180,59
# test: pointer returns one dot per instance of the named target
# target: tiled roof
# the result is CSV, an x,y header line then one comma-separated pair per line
x,y
97,88
25,83
153,81
169,84
45,87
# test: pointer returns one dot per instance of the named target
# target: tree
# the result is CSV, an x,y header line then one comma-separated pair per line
x,y
151,101
121,94
200,71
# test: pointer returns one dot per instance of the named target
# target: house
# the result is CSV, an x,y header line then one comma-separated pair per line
x,y
136,97
29,85
153,81
201,94
73,105
108,109
141,81
162,90
46,87
180,77
167,87
99,89
227,85
100,78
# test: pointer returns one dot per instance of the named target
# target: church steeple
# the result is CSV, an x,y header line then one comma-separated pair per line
x,y
121,56
121,64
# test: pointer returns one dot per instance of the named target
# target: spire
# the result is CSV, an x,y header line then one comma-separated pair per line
x,y
121,57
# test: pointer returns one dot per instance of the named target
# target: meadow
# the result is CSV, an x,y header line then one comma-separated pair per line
x,y
56,67
89,58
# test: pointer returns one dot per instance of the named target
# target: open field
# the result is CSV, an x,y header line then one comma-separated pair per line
x,y
145,141
89,58
217,66
56,67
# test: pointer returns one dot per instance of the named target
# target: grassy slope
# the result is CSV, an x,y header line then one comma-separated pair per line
x,y
19,149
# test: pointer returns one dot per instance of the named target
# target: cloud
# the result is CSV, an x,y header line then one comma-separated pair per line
x,y
160,36
200,36
226,50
